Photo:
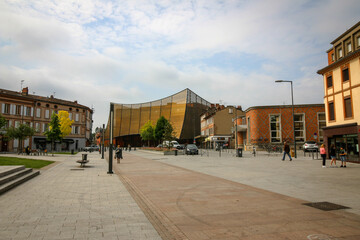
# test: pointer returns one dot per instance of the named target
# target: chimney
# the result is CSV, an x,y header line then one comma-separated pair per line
x,y
75,101
25,91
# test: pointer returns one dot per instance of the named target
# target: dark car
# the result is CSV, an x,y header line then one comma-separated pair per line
x,y
191,149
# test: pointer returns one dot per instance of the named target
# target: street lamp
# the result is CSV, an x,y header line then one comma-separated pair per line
x,y
293,115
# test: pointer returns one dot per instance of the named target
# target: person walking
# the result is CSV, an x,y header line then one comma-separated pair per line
x,y
333,154
323,155
343,157
286,151
118,153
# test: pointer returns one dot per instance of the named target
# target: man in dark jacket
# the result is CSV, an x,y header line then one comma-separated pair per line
x,y
286,151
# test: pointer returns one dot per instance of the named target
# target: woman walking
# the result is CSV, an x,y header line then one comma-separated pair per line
x,y
323,155
333,155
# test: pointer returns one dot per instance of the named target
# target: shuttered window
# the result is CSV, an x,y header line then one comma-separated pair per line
x,y
348,108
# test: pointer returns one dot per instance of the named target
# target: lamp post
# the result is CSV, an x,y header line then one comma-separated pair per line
x,y
236,144
111,138
293,115
102,145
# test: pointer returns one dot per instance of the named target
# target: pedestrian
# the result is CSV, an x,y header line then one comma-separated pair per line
x,y
286,151
27,150
323,155
343,157
333,154
118,153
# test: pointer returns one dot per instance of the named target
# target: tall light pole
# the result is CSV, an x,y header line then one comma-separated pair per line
x,y
102,144
293,115
111,138
236,144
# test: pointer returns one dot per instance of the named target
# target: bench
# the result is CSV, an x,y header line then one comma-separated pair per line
x,y
82,162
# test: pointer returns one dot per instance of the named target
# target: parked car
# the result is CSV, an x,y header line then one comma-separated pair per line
x,y
310,146
91,148
191,149
159,146
173,144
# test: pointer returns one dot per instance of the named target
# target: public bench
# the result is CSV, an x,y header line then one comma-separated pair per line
x,y
83,161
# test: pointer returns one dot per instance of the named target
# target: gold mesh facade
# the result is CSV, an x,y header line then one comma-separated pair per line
x,y
182,109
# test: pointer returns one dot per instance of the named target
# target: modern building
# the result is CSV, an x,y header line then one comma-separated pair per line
x,y
36,111
274,125
342,92
182,109
217,125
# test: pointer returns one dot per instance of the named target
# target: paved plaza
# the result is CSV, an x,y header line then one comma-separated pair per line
x,y
68,202
153,196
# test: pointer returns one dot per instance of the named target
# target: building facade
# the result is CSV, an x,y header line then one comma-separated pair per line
x,y
36,111
182,110
217,125
342,93
274,125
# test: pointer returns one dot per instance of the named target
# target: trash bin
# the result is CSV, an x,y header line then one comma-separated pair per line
x,y
84,157
72,151
239,152
176,152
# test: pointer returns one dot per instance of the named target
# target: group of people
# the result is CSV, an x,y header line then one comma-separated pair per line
x,y
342,154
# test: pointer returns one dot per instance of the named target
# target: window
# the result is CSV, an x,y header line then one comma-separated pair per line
x,y
70,116
332,57
28,111
37,127
45,127
321,125
275,130
329,81
349,47
75,130
230,110
348,108
18,110
17,124
358,41
345,74
47,113
38,112
331,111
299,122
340,53
5,108
76,117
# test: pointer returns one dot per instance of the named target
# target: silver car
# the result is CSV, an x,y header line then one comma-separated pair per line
x,y
310,146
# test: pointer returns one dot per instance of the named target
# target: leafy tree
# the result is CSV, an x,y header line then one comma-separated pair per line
x,y
169,133
65,123
160,128
2,121
54,132
22,132
147,132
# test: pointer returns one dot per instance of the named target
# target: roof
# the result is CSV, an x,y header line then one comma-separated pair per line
x,y
339,62
286,106
50,99
345,33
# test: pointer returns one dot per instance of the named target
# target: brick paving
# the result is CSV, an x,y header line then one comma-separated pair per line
x,y
184,204
68,202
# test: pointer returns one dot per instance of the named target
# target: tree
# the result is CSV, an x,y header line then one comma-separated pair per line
x,y
160,128
22,132
169,133
147,132
53,133
65,123
2,121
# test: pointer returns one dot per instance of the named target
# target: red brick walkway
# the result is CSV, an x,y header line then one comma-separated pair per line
x,y
183,204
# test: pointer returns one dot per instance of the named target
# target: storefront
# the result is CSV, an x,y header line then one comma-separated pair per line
x,y
344,136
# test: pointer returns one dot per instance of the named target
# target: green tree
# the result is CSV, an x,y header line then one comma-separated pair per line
x,y
22,132
169,133
147,132
2,121
54,132
160,128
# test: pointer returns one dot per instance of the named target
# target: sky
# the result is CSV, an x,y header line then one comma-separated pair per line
x,y
133,51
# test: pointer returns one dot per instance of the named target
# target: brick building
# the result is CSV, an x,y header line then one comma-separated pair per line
x,y
36,111
274,124
217,125
342,93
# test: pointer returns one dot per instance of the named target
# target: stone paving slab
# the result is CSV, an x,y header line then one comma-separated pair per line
x,y
200,206
69,202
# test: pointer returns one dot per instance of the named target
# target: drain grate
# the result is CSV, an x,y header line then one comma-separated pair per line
x,y
77,169
325,206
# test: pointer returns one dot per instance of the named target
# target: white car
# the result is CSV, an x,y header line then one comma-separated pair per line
x,y
310,146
